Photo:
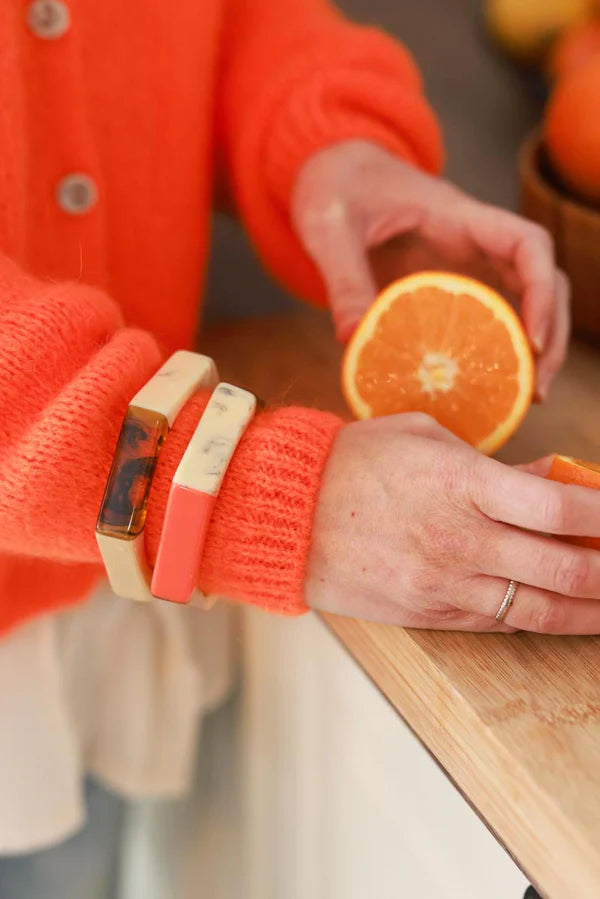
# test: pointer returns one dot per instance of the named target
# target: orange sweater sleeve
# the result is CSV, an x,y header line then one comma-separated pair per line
x,y
68,368
296,77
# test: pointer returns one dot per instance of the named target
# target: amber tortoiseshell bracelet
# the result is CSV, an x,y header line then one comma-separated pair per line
x,y
150,415
195,488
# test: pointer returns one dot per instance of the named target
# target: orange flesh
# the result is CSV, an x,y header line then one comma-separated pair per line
x,y
465,356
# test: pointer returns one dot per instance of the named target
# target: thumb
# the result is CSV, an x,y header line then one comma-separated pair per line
x,y
337,246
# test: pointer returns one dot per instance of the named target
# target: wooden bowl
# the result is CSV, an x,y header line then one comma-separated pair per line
x,y
575,227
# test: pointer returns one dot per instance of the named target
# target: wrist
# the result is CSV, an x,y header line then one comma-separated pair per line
x,y
260,530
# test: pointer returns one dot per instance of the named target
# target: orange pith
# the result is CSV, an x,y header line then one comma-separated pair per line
x,y
445,345
585,474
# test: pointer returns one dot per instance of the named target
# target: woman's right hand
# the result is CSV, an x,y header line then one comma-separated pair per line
x,y
413,527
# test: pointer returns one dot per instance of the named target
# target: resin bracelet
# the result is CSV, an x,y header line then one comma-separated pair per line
x,y
195,488
150,415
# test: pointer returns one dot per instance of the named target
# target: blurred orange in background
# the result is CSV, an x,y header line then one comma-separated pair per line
x,y
572,130
526,29
576,47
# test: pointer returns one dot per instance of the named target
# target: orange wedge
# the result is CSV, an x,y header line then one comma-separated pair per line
x,y
585,474
446,345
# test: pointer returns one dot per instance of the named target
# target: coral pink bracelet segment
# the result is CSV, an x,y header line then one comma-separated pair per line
x,y
195,488
150,415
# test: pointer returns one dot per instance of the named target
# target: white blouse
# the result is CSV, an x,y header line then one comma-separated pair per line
x,y
112,688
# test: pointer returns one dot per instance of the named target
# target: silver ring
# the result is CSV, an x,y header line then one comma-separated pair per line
x,y
508,600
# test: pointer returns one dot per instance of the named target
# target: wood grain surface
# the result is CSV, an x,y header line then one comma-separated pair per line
x,y
515,720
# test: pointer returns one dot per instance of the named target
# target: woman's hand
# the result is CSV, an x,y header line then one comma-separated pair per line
x,y
413,527
355,195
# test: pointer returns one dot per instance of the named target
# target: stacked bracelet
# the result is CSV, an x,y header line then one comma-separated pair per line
x,y
195,488
150,415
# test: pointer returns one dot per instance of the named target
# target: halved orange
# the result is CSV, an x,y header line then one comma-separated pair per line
x,y
446,345
575,471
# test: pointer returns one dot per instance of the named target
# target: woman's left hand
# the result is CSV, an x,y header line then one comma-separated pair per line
x,y
354,196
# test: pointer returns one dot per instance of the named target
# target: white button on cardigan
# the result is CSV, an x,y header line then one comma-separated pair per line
x,y
48,19
76,193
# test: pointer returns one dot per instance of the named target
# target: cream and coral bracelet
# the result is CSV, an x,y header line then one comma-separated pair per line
x,y
149,417
195,488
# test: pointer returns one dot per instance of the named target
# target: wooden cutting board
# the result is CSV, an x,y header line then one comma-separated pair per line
x,y
514,720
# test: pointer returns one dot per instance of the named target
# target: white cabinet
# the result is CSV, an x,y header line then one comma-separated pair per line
x,y
341,800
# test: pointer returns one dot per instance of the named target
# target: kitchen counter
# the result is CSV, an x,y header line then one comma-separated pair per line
x,y
514,720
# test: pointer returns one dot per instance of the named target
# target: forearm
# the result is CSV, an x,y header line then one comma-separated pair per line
x,y
69,369
297,77
260,530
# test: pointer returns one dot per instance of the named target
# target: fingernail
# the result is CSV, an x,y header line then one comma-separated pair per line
x,y
343,332
543,389
540,338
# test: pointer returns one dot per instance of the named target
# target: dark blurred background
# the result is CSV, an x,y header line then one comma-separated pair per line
x,y
485,103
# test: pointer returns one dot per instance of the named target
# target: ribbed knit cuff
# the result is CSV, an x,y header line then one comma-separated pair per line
x,y
260,531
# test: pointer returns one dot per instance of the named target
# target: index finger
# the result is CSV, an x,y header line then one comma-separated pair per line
x,y
334,241
527,501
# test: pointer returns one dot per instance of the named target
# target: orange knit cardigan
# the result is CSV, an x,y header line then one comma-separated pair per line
x,y
147,98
